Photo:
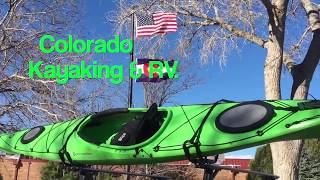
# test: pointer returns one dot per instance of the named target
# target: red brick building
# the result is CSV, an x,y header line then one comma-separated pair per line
x,y
30,169
239,163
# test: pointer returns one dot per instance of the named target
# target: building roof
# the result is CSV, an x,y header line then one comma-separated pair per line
x,y
239,163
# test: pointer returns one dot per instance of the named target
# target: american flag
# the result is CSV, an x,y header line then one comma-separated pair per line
x,y
161,22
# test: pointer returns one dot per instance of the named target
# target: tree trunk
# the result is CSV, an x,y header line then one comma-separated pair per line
x,y
272,71
286,155
302,73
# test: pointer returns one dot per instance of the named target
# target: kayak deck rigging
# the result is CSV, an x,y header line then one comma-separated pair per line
x,y
285,107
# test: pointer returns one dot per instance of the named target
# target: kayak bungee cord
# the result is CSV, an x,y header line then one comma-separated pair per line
x,y
185,114
46,135
194,141
64,132
276,122
63,151
258,133
281,103
303,120
285,107
157,147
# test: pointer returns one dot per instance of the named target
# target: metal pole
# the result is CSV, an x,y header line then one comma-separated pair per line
x,y
29,166
208,174
131,60
234,174
18,165
130,79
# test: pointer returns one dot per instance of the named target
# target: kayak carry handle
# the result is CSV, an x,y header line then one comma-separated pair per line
x,y
309,105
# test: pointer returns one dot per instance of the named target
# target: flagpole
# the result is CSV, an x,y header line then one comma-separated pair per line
x,y
130,79
131,60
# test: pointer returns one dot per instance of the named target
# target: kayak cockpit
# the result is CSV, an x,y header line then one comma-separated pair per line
x,y
122,127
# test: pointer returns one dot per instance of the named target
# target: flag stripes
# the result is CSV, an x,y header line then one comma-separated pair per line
x,y
157,23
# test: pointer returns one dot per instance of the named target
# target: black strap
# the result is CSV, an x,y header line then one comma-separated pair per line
x,y
303,120
309,105
195,142
314,104
196,135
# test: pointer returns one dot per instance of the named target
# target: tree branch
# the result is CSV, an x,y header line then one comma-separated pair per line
x,y
312,14
269,7
238,32
219,22
302,73
298,44
288,61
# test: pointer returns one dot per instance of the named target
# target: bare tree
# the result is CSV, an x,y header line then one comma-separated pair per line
x,y
216,27
25,102
164,91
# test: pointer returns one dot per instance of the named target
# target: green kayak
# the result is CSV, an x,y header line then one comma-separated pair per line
x,y
160,134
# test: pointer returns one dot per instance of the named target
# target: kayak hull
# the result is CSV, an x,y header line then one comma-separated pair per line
x,y
224,127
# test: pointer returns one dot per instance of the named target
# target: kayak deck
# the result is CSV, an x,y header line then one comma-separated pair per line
x,y
103,138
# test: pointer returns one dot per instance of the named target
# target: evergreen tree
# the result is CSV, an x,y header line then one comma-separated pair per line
x,y
55,170
310,160
262,162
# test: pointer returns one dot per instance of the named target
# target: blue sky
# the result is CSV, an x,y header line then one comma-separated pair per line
x,y
240,79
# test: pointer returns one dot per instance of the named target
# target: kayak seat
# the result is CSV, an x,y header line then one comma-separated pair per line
x,y
139,128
